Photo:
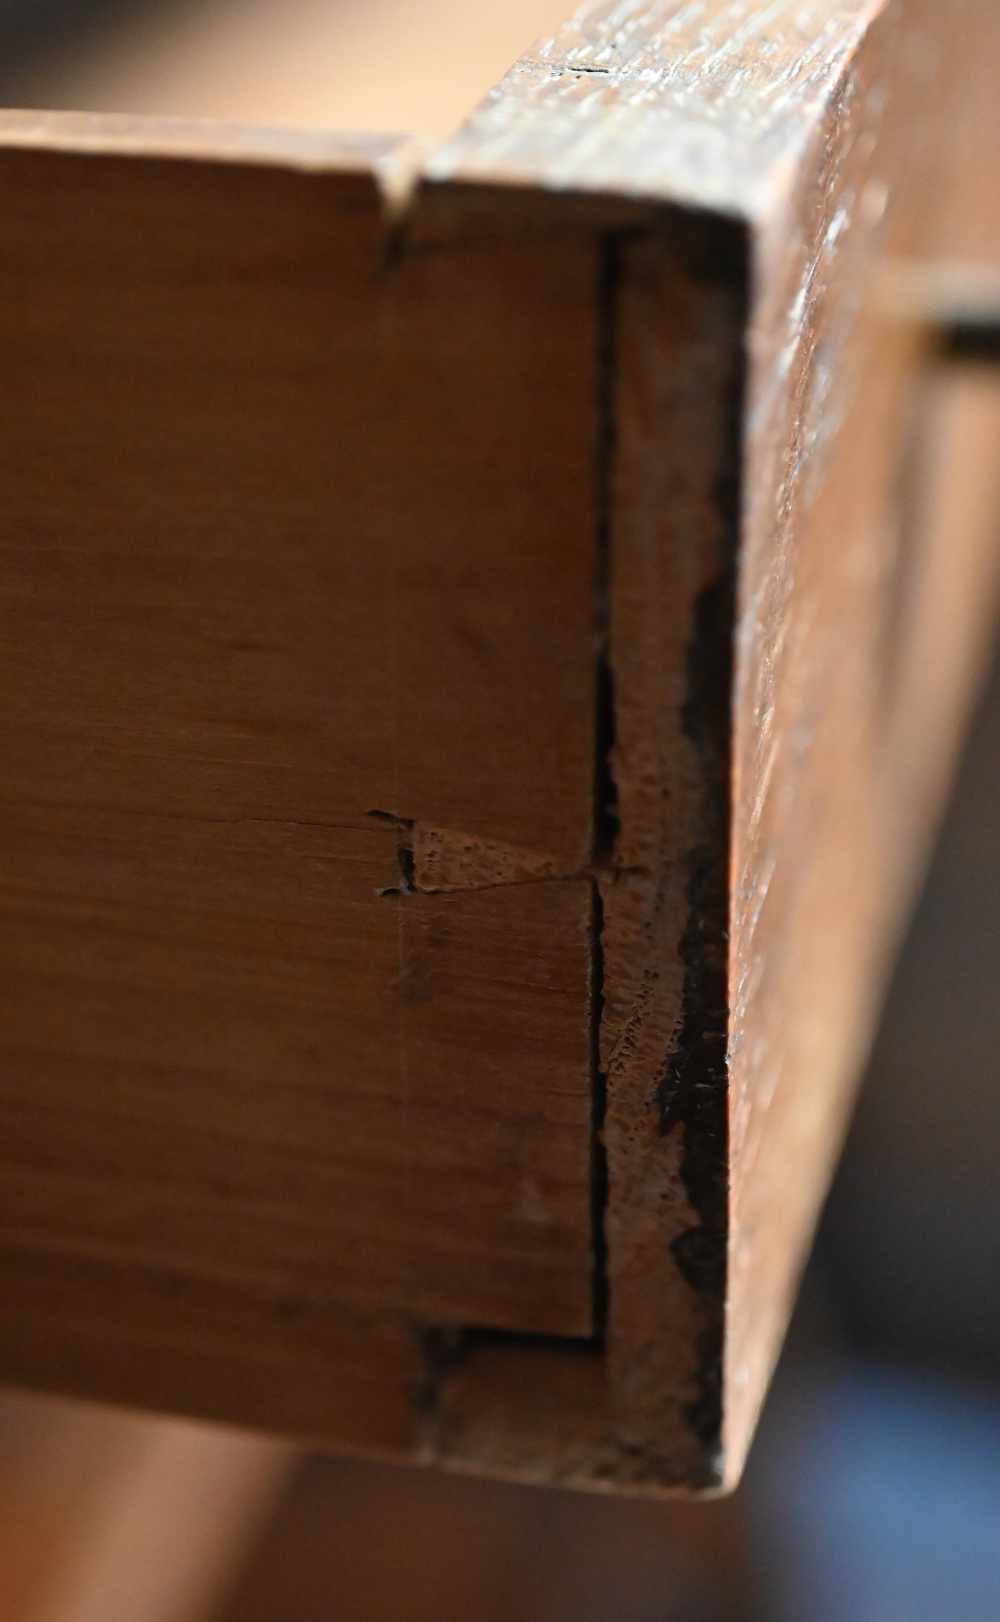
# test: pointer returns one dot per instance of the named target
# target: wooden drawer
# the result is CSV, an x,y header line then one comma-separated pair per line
x,y
473,712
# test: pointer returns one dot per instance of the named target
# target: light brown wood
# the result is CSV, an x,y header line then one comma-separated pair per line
x,y
266,597
461,782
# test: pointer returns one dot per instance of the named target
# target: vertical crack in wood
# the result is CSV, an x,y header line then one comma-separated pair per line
x,y
605,812
443,1349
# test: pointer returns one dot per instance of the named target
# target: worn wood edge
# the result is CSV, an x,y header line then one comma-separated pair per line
x,y
392,160
828,322
813,272
645,106
660,125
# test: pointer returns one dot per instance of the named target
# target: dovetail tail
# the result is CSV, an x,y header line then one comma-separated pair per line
x,y
443,1348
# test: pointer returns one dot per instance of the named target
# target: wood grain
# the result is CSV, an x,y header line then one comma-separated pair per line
x,y
295,547
462,786
811,125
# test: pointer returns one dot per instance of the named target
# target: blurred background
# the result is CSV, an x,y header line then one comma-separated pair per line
x,y
873,1490
389,66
